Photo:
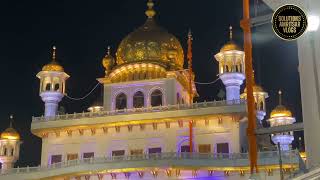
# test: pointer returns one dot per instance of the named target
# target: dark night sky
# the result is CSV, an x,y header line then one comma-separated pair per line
x,y
82,30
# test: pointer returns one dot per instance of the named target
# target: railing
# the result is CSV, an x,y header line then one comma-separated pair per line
x,y
140,110
200,159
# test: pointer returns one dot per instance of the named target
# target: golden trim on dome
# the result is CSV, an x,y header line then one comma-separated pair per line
x,y
136,71
150,12
53,65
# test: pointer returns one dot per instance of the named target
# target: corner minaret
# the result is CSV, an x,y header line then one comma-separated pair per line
x,y
231,67
52,85
282,116
9,147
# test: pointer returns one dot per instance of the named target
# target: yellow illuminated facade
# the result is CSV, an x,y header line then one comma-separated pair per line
x,y
148,126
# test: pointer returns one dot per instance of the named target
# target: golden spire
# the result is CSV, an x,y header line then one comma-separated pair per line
x,y
280,98
54,53
189,55
254,82
230,33
108,51
230,45
11,121
150,12
53,65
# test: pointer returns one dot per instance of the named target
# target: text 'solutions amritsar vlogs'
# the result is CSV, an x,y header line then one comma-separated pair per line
x,y
289,22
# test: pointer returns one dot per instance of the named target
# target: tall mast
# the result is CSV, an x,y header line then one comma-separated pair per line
x,y
252,139
189,58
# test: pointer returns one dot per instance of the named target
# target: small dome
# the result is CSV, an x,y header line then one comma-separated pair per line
x,y
280,111
229,46
10,133
53,65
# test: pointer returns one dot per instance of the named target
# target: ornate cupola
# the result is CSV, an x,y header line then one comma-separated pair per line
x,y
52,85
9,147
259,98
282,116
231,67
147,53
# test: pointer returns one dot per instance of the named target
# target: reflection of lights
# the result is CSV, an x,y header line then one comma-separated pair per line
x,y
313,23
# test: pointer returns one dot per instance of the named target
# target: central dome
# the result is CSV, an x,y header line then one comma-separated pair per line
x,y
151,43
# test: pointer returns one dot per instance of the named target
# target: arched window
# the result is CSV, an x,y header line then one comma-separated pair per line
x,y
5,151
12,150
138,99
121,101
56,87
48,87
156,98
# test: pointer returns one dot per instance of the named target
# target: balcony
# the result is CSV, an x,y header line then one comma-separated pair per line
x,y
212,161
137,115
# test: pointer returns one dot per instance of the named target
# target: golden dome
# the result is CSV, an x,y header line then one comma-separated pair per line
x,y
151,43
280,110
10,133
230,45
108,61
53,65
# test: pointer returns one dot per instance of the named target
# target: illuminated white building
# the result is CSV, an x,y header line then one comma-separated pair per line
x,y
147,128
282,116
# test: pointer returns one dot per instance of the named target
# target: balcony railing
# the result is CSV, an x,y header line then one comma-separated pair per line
x,y
140,110
158,159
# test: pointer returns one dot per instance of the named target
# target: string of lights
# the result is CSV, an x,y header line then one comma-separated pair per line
x,y
95,87
81,98
206,83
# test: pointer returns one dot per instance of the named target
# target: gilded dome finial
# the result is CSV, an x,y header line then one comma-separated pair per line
x,y
53,65
108,61
230,32
11,120
54,53
280,98
230,45
189,54
253,77
108,51
150,12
